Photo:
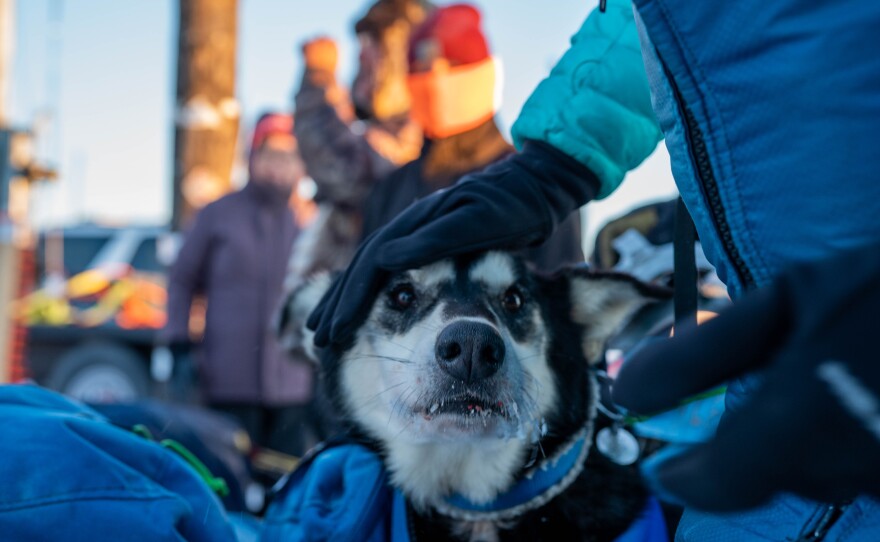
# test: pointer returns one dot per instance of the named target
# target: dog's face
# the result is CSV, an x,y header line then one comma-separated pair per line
x,y
452,352
470,359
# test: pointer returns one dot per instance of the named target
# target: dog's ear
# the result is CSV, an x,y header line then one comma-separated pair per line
x,y
290,322
602,302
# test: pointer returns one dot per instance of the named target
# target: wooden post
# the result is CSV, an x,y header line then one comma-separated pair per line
x,y
207,113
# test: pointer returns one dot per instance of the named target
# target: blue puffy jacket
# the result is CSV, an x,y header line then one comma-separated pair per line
x,y
770,112
68,474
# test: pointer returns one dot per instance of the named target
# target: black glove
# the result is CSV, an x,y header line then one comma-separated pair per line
x,y
513,204
812,427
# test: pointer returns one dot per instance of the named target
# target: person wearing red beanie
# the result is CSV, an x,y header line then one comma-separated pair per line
x,y
235,255
278,126
453,86
456,30
453,78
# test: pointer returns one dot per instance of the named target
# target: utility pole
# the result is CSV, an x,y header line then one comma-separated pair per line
x,y
207,113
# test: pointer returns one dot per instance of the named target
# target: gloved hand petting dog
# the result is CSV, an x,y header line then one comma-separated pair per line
x,y
509,205
470,379
813,425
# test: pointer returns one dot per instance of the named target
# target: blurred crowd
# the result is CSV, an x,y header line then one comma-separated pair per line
x,y
419,114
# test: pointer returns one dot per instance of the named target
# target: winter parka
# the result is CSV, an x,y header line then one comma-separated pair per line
x,y
235,255
770,114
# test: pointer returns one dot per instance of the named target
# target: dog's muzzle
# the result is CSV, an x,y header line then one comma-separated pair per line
x,y
469,351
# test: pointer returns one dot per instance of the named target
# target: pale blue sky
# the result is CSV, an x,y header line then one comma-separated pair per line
x,y
102,81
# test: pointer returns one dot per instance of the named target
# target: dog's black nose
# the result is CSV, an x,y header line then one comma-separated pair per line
x,y
469,351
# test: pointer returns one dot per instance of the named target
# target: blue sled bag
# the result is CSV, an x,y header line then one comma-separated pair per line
x,y
68,474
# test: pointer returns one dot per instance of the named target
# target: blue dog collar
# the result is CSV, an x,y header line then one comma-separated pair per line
x,y
545,481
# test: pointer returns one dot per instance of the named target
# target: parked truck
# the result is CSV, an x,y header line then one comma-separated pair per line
x,y
93,317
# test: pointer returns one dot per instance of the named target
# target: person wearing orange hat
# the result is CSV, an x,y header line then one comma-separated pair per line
x,y
235,255
454,83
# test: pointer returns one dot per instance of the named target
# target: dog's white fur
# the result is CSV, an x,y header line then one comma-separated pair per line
x,y
427,472
431,276
495,270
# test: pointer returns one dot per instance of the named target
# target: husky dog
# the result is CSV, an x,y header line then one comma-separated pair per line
x,y
472,379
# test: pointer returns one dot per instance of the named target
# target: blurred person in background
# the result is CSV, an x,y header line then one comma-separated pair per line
x,y
454,84
350,140
236,255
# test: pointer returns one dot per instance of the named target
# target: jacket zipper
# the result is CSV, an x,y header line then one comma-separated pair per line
x,y
817,530
706,179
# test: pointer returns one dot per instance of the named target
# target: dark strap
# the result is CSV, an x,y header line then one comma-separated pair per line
x,y
685,273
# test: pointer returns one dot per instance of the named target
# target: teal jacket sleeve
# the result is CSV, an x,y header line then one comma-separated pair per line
x,y
595,105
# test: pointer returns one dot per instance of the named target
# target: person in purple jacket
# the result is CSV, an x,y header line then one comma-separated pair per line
x,y
235,255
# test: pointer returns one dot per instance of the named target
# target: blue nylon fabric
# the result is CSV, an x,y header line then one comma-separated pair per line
x,y
70,475
669,116
650,527
399,524
784,518
793,147
793,144
343,495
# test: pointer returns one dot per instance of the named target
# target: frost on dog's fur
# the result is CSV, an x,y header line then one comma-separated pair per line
x,y
390,386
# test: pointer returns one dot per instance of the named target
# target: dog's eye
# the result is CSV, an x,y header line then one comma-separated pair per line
x,y
512,300
402,296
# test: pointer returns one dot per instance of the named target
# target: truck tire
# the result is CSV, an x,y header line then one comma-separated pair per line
x,y
101,373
